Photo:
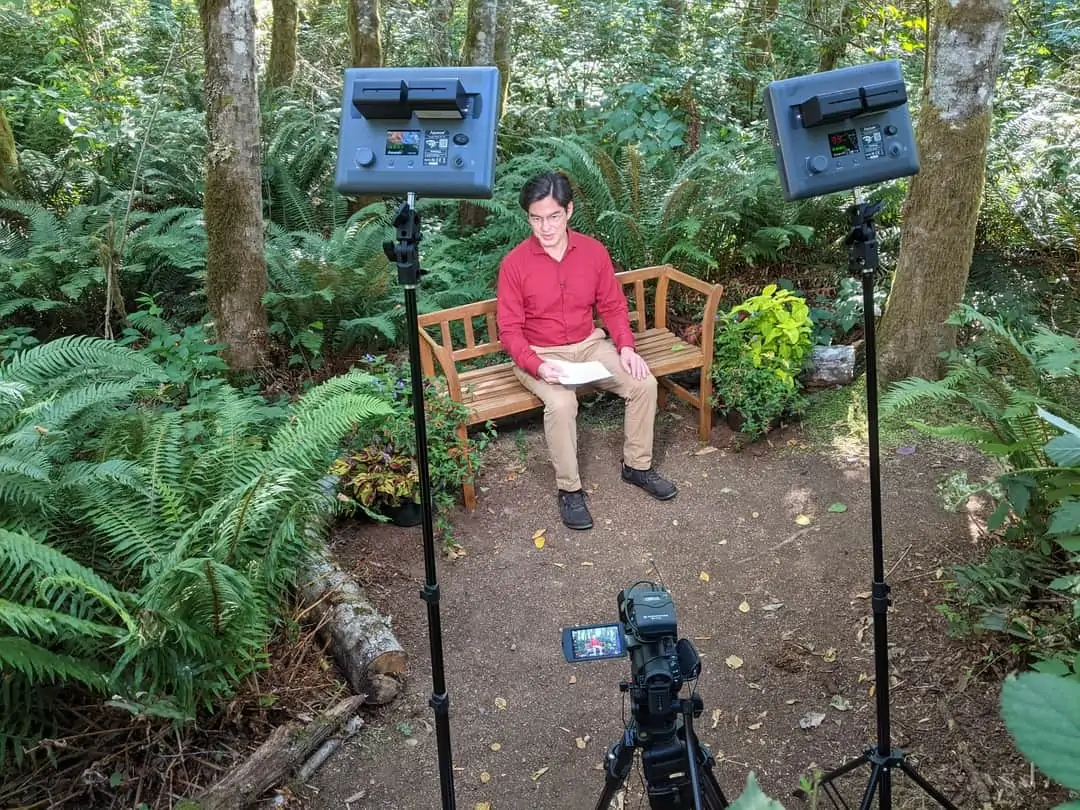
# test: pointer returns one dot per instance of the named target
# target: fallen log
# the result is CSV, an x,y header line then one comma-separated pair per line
x,y
270,764
359,636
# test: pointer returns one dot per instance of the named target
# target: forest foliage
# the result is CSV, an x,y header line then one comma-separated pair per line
x,y
151,510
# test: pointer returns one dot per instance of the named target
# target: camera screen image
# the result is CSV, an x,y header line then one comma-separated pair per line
x,y
593,642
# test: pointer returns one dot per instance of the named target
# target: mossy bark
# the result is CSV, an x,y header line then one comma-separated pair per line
x,y
282,64
942,207
503,54
9,160
478,49
235,264
365,33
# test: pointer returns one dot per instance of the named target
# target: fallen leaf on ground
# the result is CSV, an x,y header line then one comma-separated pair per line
x,y
838,507
537,774
733,661
772,606
755,514
840,703
705,450
482,806
588,563
485,777
538,534
496,746
559,565
754,727
811,720
744,606
538,542
580,742
704,576
572,679
715,718
802,520
500,704
829,656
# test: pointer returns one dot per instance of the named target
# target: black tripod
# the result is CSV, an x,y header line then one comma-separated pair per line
x,y
404,254
678,770
863,259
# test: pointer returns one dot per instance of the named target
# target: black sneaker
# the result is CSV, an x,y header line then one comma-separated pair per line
x,y
575,514
651,481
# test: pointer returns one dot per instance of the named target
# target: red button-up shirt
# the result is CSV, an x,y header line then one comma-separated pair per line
x,y
542,302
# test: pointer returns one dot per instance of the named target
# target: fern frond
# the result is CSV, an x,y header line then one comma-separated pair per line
x,y
40,665
72,354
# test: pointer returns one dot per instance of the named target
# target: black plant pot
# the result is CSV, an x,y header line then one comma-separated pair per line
x,y
407,513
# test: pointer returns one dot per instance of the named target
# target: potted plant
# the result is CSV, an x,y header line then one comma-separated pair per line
x,y
759,349
382,482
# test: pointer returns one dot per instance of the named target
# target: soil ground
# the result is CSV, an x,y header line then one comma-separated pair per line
x,y
778,609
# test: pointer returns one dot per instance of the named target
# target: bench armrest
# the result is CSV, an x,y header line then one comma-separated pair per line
x,y
712,293
430,351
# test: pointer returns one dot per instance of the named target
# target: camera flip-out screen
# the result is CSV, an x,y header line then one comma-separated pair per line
x,y
426,130
593,642
840,129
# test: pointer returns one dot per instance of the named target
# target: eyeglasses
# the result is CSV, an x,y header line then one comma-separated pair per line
x,y
550,219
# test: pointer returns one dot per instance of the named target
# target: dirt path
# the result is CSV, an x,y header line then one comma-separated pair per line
x,y
778,610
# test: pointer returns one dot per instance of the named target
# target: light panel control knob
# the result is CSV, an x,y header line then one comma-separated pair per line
x,y
365,156
896,150
817,164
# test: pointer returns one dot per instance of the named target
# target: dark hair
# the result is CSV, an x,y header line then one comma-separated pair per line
x,y
548,184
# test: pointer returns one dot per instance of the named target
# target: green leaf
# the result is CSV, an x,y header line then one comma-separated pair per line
x,y
838,507
1064,450
1066,518
753,799
1073,805
1042,712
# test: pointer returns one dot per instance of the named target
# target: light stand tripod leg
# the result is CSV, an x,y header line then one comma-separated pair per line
x,y
404,254
863,259
617,766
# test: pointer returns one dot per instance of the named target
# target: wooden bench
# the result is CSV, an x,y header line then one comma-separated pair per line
x,y
453,336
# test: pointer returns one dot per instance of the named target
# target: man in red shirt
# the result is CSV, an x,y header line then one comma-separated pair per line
x,y
548,288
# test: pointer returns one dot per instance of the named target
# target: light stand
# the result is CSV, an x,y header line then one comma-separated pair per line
x,y
863,259
404,254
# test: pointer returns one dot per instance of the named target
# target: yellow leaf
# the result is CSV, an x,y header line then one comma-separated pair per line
x,y
733,661
744,606
588,563
704,576
496,746
803,520
579,742
715,718
500,704
537,774
873,690
572,679
538,542
482,806
830,655
538,534
485,777
755,727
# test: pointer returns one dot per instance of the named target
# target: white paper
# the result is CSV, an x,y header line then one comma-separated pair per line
x,y
582,373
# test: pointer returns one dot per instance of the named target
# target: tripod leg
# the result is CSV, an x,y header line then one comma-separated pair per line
x,y
616,765
932,791
877,774
712,797
825,782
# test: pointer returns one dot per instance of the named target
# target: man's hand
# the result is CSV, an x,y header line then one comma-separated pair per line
x,y
549,372
633,363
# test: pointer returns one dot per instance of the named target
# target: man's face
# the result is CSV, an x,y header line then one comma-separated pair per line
x,y
549,221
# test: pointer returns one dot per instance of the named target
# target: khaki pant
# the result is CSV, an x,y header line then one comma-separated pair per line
x,y
561,405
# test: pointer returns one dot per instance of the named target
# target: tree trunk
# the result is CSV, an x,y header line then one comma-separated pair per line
x,y
942,207
365,33
839,37
282,66
441,51
235,264
478,49
9,159
479,45
284,750
758,20
668,40
503,53
361,639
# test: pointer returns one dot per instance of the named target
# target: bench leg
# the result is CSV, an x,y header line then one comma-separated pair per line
x,y
705,406
661,396
468,486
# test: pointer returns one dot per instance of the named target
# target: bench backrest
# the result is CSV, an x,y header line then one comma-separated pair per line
x,y
469,331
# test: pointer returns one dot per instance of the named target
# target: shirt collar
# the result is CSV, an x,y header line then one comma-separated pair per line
x,y
536,248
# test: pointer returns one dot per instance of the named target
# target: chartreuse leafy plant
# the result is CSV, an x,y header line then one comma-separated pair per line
x,y
139,558
1042,712
777,335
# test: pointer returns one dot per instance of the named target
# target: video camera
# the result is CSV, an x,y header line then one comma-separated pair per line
x,y
660,664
